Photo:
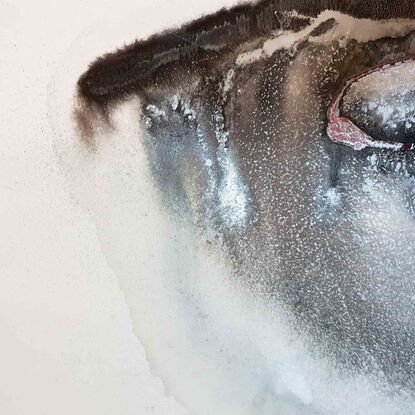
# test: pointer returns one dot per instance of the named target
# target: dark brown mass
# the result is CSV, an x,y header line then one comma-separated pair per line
x,y
115,75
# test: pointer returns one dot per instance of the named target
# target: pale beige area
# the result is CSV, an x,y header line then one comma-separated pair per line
x,y
66,343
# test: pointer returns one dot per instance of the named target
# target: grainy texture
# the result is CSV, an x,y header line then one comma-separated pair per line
x,y
234,109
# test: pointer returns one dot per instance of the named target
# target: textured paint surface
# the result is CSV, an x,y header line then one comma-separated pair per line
x,y
384,115
279,278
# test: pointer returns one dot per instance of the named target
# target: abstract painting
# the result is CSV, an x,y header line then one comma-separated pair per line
x,y
249,173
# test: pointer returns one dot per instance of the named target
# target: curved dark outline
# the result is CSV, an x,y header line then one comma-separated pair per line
x,y
115,75
342,130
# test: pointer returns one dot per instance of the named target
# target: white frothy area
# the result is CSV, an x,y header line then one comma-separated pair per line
x,y
217,349
347,28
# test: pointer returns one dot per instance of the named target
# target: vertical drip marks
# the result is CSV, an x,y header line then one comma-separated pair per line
x,y
190,112
233,194
204,131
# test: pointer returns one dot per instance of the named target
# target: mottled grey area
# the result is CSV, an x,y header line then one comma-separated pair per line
x,y
242,153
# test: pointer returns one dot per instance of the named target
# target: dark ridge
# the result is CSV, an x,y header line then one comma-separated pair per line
x,y
119,72
116,75
123,71
323,28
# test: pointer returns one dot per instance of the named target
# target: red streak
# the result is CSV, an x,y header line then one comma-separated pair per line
x,y
342,130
